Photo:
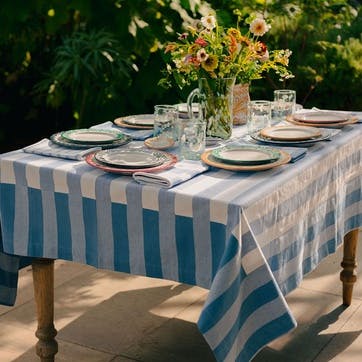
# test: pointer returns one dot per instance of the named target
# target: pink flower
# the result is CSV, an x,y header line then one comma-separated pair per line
x,y
202,42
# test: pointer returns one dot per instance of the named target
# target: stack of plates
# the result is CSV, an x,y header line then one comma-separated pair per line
x,y
139,121
128,161
245,157
87,138
291,135
321,119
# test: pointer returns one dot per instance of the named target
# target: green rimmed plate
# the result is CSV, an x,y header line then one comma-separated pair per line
x,y
246,154
92,136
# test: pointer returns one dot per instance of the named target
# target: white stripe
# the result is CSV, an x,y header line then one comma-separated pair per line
x,y
88,183
32,171
60,177
117,190
150,198
7,173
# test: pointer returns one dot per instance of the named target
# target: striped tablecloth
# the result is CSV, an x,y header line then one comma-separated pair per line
x,y
247,237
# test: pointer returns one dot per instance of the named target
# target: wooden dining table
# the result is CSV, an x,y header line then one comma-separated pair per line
x,y
248,237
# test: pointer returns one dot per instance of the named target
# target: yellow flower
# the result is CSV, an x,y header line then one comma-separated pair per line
x,y
210,63
234,33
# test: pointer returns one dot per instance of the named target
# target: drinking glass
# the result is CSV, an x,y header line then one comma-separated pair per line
x,y
165,123
259,115
284,103
192,138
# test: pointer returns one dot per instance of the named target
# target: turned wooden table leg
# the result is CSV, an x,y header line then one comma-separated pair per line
x,y
348,275
43,279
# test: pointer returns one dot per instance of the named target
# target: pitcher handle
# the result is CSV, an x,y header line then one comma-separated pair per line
x,y
190,99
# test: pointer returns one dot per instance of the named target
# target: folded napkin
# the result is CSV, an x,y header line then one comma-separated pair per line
x,y
46,147
182,171
136,134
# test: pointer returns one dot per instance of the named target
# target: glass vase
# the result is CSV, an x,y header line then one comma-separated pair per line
x,y
216,105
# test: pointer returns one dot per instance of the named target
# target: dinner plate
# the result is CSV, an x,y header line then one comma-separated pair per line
x,y
58,139
138,121
208,158
246,154
92,136
168,163
325,134
320,117
159,143
290,133
127,158
351,120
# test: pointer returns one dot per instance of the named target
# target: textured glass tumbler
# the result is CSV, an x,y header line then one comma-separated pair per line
x,y
192,139
259,115
165,120
284,103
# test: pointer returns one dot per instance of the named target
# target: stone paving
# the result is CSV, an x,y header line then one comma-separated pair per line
x,y
105,316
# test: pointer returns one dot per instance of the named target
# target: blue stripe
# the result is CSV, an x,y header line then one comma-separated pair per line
x,y
217,307
120,234
217,233
254,300
7,202
35,236
264,335
151,239
185,249
91,230
64,229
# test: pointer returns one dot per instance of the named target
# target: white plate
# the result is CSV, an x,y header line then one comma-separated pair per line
x,y
326,134
320,117
140,120
290,133
130,158
246,154
92,136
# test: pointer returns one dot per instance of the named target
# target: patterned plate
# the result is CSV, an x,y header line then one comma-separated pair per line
x,y
58,139
128,158
169,162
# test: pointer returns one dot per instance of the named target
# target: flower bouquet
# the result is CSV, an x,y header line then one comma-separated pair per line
x,y
209,51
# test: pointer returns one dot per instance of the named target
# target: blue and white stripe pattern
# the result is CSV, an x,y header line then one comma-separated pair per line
x,y
248,237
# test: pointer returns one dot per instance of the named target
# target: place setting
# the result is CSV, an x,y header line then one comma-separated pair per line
x,y
138,121
245,157
291,135
76,144
128,161
317,118
90,137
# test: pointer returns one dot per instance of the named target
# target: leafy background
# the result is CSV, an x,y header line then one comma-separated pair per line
x,y
77,63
